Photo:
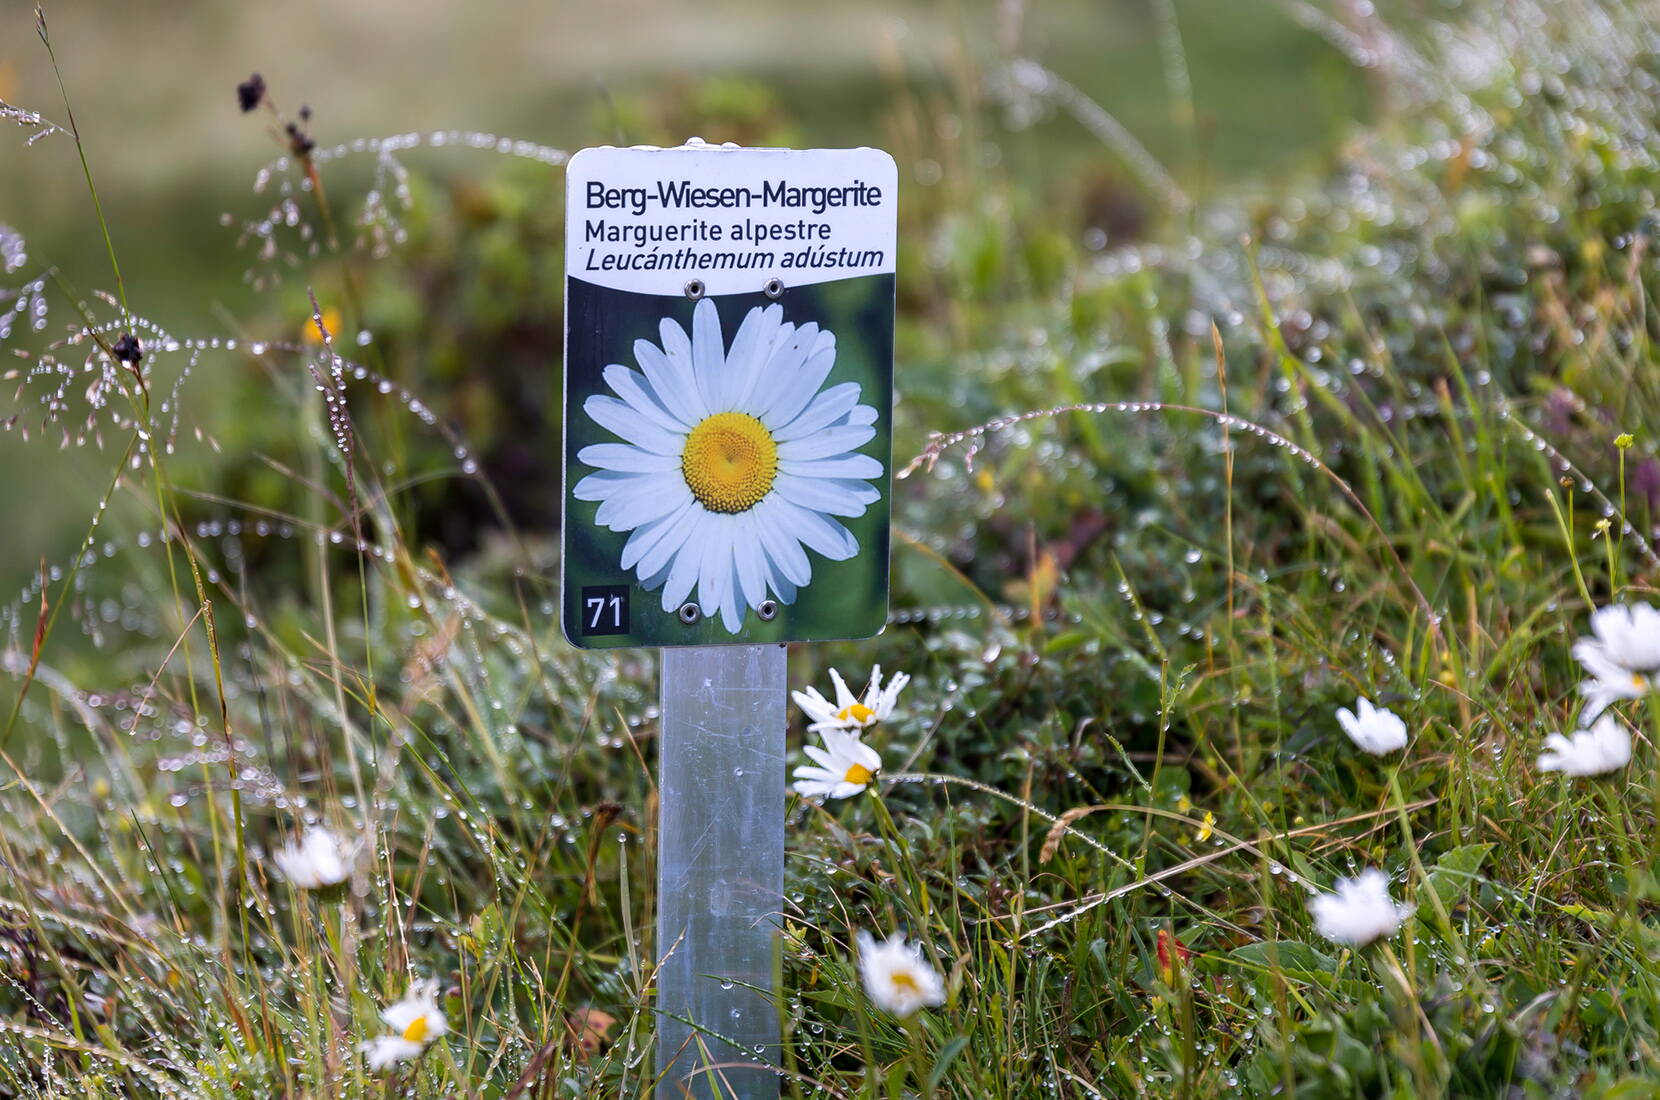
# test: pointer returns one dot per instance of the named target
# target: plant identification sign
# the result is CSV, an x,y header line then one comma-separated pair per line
x,y
728,395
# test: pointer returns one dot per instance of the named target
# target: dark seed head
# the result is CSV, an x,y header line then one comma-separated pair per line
x,y
299,141
128,349
251,92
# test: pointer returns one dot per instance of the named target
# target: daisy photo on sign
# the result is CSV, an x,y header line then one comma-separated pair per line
x,y
733,463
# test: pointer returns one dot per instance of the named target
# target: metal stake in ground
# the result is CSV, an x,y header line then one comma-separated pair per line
x,y
720,871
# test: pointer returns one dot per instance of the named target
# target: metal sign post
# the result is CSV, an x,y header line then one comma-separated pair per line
x,y
728,448
720,869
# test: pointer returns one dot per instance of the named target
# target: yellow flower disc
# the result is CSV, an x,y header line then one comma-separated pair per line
x,y
729,462
856,712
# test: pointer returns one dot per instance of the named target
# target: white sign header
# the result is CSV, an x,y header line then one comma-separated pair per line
x,y
651,220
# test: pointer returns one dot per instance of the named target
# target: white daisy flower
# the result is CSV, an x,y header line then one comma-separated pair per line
x,y
316,860
1622,656
1605,747
850,712
417,1021
386,1051
1360,910
1377,730
733,462
846,767
897,978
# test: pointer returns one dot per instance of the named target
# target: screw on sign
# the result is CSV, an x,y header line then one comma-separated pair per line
x,y
728,458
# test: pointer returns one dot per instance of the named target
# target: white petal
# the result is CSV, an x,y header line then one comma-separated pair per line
x,y
802,388
781,585
818,532
622,420
708,352
715,566
632,387
844,695
826,495
748,354
386,1051
824,410
783,550
756,376
647,535
687,557
655,499
656,554
855,466
825,444
750,559
669,370
620,456
779,375
606,484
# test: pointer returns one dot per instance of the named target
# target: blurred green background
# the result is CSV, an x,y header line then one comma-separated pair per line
x,y
152,88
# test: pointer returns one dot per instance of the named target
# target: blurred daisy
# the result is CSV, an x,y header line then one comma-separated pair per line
x,y
1359,911
851,712
1377,730
1622,655
1605,747
897,978
734,462
417,1021
846,765
316,860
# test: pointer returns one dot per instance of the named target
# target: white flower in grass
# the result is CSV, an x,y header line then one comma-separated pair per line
x,y
1622,655
846,765
897,978
733,461
1605,747
416,1020
386,1051
1359,911
851,712
1377,730
315,861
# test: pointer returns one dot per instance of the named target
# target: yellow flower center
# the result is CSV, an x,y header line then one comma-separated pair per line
x,y
856,712
904,982
416,1032
1638,682
729,462
858,774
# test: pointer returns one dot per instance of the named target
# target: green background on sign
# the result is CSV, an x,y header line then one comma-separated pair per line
x,y
847,599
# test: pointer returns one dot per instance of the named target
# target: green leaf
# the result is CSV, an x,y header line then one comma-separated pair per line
x,y
1455,872
1295,959
947,1054
896,1079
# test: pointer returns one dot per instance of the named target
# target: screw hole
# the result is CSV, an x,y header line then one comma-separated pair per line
x,y
768,611
774,288
690,614
694,289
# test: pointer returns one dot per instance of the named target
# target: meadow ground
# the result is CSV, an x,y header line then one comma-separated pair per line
x,y
1194,470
